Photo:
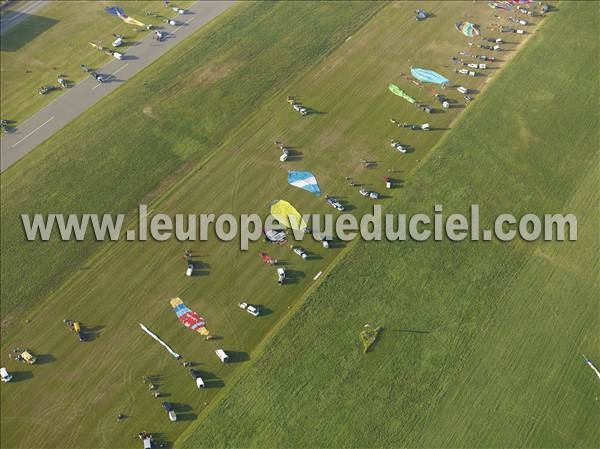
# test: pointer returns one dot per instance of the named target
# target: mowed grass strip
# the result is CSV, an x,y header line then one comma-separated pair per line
x,y
89,384
482,342
55,40
179,109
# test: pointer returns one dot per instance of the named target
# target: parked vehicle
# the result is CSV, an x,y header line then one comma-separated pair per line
x,y
170,410
222,355
252,310
196,376
280,275
5,375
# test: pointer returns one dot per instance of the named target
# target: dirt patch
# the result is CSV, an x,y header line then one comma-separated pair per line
x,y
210,73
149,111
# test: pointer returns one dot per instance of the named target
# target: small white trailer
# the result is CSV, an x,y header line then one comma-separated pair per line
x,y
222,355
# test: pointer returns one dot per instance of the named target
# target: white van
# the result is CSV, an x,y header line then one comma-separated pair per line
x,y
6,377
222,355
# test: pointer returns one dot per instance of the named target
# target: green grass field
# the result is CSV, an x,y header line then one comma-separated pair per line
x,y
482,342
54,40
203,143
174,115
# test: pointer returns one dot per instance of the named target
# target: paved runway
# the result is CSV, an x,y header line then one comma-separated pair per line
x,y
77,99
15,17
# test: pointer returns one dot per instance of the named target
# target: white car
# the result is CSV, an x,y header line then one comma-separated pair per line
x,y
462,89
334,203
284,154
299,108
397,146
300,251
6,377
118,42
252,310
190,270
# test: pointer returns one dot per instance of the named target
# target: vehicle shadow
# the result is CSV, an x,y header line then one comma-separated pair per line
x,y
211,380
184,411
43,359
264,311
18,376
293,276
92,333
237,356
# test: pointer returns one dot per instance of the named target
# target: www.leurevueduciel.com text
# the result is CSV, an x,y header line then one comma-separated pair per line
x,y
251,227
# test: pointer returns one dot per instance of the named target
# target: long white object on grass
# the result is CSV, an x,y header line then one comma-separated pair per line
x,y
166,346
591,365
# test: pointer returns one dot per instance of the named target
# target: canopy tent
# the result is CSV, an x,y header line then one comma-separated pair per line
x,y
304,180
287,215
118,12
468,29
397,91
188,317
428,76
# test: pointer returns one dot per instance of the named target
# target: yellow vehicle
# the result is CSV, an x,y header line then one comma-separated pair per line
x,y
27,357
75,326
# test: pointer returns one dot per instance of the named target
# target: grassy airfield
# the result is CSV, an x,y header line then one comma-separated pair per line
x,y
203,143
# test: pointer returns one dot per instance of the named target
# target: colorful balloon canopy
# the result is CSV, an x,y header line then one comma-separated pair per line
x,y
428,76
397,91
189,318
116,11
304,180
468,29
287,215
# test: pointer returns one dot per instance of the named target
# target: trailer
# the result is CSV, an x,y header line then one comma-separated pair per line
x,y
223,357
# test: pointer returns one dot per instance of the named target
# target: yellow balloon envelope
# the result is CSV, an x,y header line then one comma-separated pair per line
x,y
287,215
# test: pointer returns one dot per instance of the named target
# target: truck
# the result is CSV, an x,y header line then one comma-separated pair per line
x,y
26,356
368,193
252,310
